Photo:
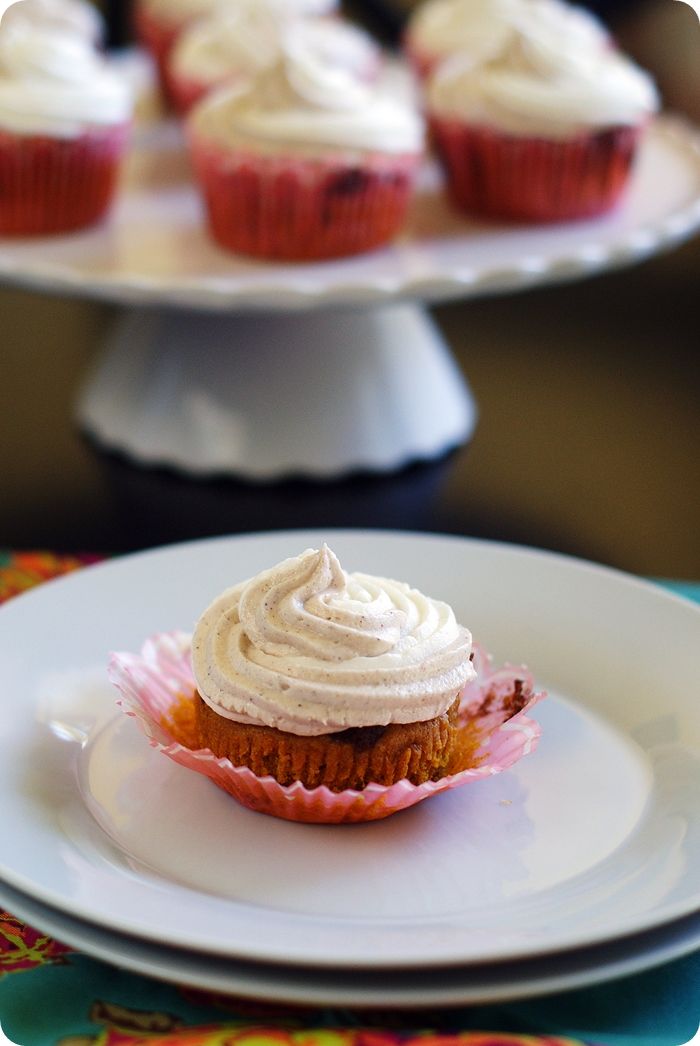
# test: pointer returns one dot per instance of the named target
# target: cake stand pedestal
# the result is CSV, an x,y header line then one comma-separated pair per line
x,y
221,365
317,393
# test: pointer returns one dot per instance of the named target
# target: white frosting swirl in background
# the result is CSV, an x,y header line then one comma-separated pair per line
x,y
308,649
301,104
55,83
249,38
481,28
550,75
73,16
179,11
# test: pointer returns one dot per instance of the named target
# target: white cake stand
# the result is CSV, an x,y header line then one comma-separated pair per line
x,y
220,365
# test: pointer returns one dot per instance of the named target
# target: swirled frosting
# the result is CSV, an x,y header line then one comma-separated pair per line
x,y
309,649
303,104
243,41
182,11
481,28
73,16
549,74
55,83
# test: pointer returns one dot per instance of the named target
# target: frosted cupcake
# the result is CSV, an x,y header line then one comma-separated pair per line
x,y
545,127
477,29
64,119
317,695
66,16
235,46
305,163
306,673
159,23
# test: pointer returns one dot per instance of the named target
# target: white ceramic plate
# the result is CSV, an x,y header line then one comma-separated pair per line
x,y
594,836
407,989
154,247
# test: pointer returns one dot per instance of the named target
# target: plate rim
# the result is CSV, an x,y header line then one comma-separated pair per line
x,y
222,292
662,917
598,970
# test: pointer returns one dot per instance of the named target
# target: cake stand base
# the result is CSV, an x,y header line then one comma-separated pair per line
x,y
317,394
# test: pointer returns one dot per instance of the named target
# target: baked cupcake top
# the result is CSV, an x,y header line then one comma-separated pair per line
x,y
546,74
73,16
246,39
303,105
56,83
310,649
180,11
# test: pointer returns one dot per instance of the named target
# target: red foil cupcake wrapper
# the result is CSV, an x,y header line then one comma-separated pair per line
x,y
158,683
302,209
534,179
54,185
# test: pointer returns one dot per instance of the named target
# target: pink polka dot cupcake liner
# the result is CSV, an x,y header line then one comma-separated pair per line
x,y
157,689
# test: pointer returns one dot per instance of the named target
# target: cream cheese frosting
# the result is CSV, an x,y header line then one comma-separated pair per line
x,y
246,39
549,74
181,11
310,649
303,104
55,83
74,16
480,28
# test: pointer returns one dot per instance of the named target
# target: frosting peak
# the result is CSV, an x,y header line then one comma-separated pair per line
x,y
75,16
54,82
303,102
550,70
307,648
305,606
238,44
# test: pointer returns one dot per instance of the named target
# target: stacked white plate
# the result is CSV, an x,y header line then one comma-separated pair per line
x,y
580,864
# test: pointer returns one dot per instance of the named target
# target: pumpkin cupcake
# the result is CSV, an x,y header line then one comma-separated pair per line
x,y
308,674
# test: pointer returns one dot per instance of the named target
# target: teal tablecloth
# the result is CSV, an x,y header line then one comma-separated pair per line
x,y
50,995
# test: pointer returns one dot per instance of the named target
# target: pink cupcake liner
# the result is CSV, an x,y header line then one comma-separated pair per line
x,y
298,209
52,185
157,681
534,179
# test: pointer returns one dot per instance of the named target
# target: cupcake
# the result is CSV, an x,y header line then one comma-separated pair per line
x,y
478,29
307,673
64,119
70,16
159,23
317,695
543,128
236,45
306,162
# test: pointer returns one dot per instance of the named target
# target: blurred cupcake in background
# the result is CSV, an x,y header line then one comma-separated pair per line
x,y
236,44
544,126
478,29
70,16
159,23
305,163
64,120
